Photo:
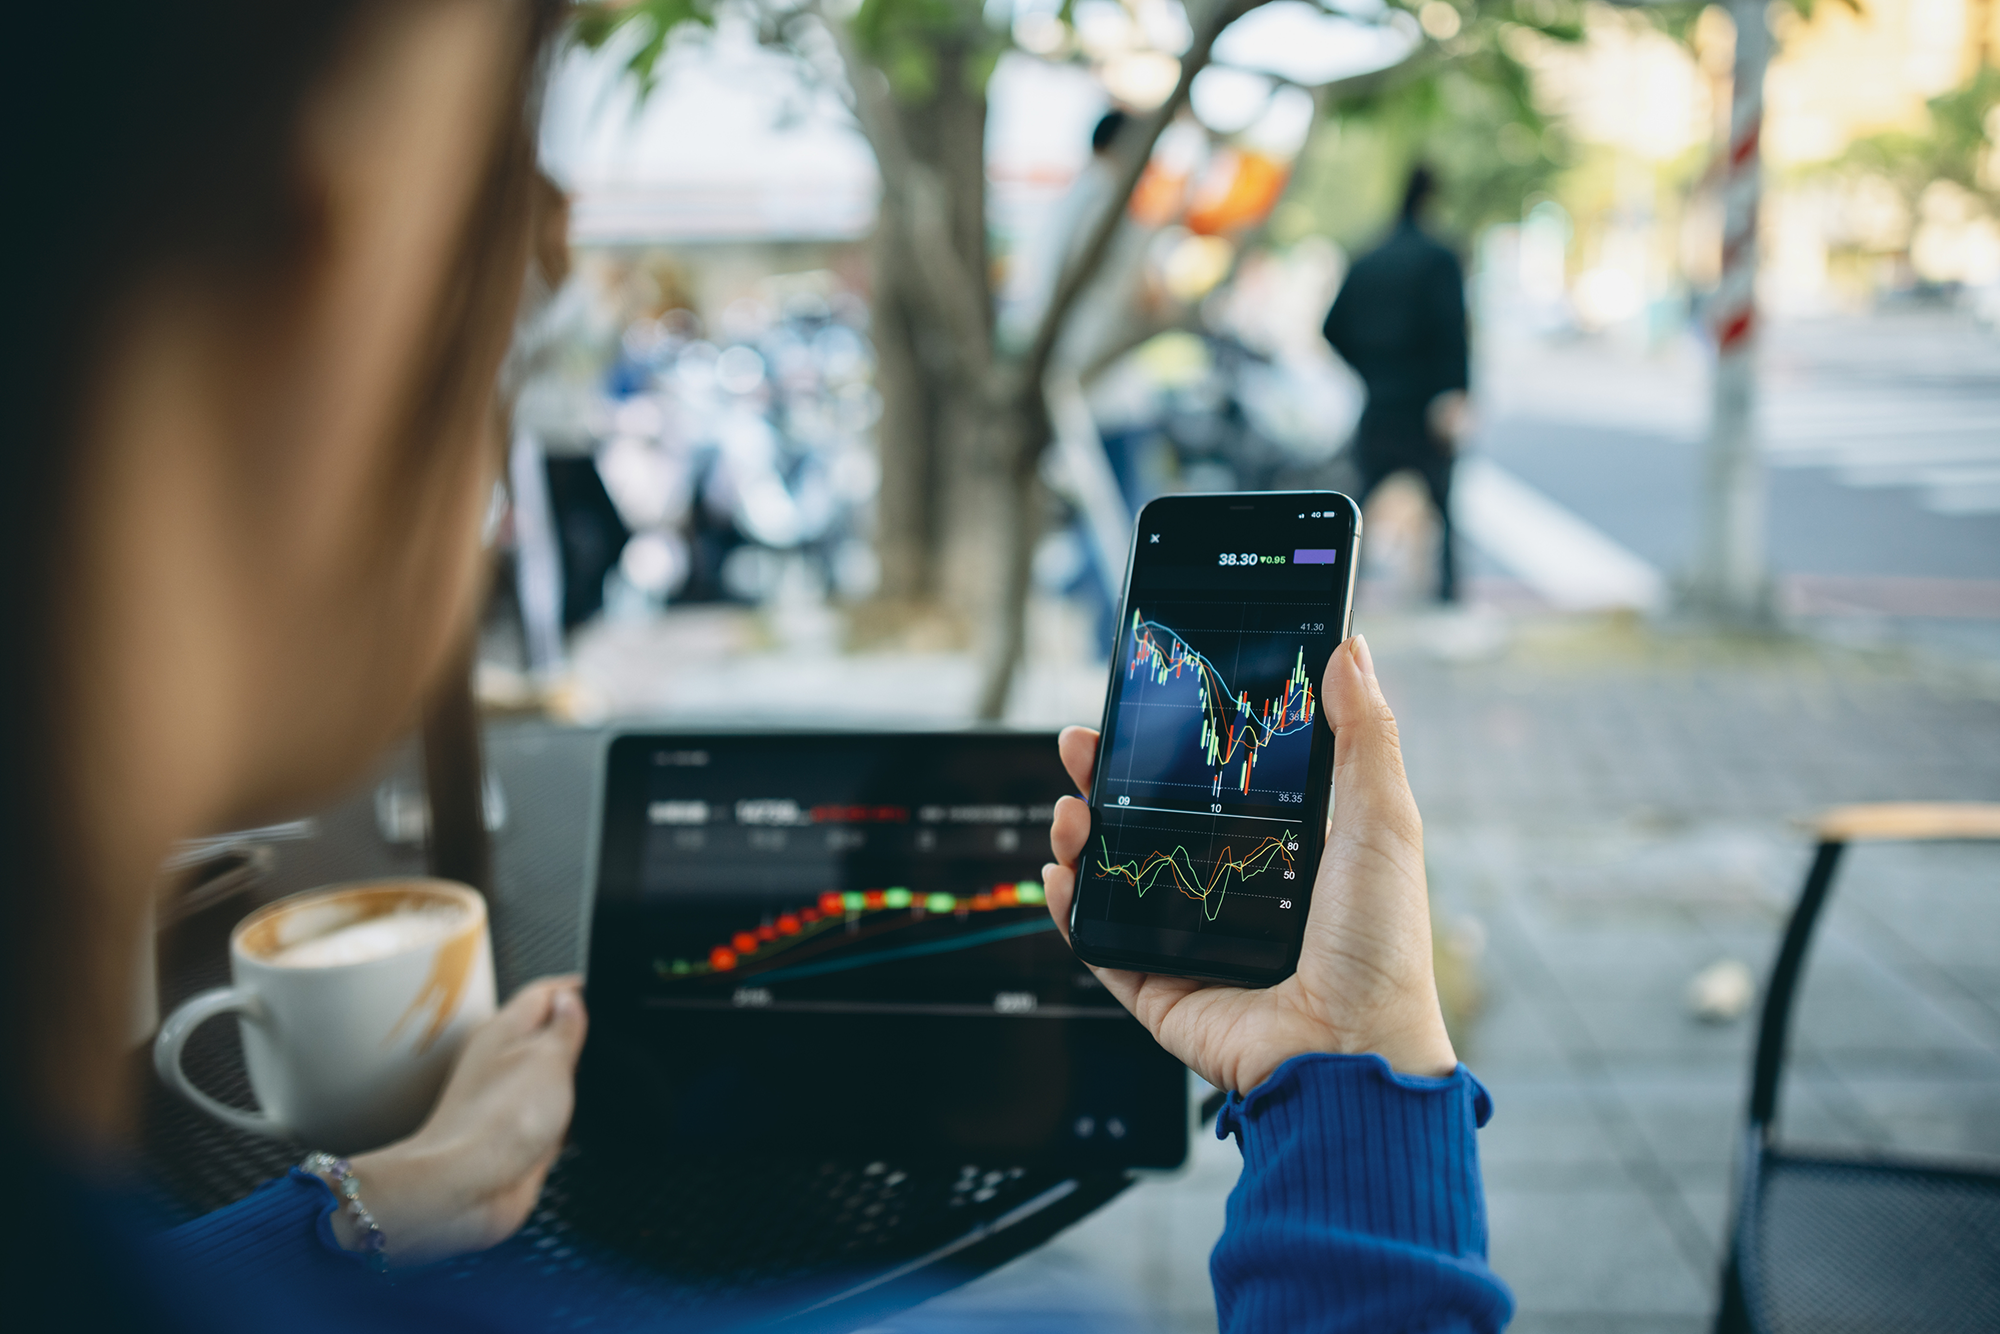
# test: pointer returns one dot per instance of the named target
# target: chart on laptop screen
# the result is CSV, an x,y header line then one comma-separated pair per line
x,y
792,933
791,904
899,875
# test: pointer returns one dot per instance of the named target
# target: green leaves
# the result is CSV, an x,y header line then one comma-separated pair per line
x,y
904,38
1468,107
596,23
1963,126
1950,149
1560,20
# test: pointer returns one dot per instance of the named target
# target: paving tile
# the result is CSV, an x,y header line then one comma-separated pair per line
x,y
1946,1118
1932,912
1574,1251
1654,1024
1546,1132
1980,981
1816,1108
1621,987
1854,998
1607,1322
1512,1034
1690,1118
1707,1189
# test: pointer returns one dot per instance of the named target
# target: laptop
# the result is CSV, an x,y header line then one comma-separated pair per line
x,y
837,944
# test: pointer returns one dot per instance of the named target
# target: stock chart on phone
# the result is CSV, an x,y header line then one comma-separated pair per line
x,y
1239,739
1212,741
1203,808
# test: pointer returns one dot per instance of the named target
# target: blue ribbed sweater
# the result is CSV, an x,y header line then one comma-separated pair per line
x,y
1360,1205
1359,1208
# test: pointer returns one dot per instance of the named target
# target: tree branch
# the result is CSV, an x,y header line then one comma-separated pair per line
x,y
1326,97
1381,80
1083,268
1135,155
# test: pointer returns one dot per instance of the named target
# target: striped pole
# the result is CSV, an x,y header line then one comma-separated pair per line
x,y
1730,576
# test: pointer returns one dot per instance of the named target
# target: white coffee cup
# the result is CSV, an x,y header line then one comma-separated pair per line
x,y
353,1002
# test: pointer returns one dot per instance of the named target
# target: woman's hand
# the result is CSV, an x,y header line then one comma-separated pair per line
x,y
468,1178
1364,982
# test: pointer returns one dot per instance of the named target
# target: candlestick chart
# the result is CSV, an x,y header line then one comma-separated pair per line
x,y
1221,713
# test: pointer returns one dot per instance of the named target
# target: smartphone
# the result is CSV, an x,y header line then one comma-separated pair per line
x,y
1214,767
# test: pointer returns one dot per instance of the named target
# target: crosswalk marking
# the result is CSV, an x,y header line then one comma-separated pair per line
x,y
1956,469
1892,403
1568,562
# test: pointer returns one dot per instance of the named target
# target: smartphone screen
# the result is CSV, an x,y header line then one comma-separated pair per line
x,y
1214,767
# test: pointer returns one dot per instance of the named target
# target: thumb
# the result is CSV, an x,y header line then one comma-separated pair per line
x,y
567,1020
1367,956
1372,801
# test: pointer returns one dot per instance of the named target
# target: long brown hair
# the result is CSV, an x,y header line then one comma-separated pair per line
x,y
158,137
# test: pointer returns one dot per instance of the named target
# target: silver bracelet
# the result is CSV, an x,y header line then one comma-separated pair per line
x,y
348,1187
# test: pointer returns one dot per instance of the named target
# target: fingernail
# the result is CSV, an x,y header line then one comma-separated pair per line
x,y
1047,868
566,1003
1362,657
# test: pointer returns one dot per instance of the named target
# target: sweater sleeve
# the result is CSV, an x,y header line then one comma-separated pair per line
x,y
1360,1205
284,1226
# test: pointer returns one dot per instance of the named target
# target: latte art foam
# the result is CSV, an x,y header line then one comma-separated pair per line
x,y
374,938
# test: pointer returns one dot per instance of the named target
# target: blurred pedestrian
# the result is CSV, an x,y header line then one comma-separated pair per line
x,y
1399,321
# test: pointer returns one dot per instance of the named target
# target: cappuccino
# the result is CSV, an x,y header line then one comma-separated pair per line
x,y
406,928
353,1001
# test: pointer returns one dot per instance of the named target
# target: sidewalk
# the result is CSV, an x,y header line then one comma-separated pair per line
x,y
1614,809
1880,436
1610,809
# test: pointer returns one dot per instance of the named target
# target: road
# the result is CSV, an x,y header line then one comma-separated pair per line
x,y
1882,436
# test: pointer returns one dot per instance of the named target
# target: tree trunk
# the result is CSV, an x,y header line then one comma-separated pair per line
x,y
934,503
985,425
946,132
906,510
1017,436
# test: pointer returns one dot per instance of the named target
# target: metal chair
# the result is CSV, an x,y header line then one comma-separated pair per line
x,y
1851,1244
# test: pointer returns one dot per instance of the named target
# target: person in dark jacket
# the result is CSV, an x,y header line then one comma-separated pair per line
x,y
1400,322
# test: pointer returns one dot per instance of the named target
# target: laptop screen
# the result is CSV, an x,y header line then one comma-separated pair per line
x,y
838,943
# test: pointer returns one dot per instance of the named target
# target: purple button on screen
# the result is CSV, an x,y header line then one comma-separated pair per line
x,y
1316,556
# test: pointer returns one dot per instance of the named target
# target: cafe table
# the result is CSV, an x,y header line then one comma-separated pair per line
x,y
811,1239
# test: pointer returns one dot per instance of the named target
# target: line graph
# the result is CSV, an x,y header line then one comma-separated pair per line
x,y
1210,890
952,944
